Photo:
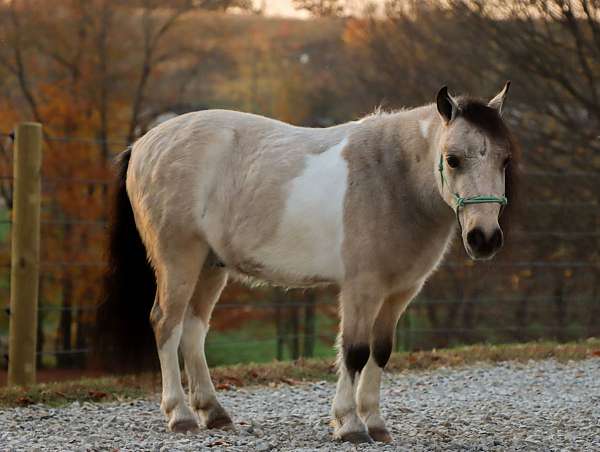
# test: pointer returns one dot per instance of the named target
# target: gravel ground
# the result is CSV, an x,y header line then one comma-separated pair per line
x,y
542,405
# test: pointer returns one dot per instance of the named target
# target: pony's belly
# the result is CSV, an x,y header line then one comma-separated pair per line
x,y
303,256
254,276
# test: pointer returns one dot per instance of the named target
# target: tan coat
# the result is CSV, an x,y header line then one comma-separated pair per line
x,y
360,205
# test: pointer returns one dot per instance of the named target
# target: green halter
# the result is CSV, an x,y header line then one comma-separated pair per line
x,y
461,201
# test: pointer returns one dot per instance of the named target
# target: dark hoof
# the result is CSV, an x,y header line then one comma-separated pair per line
x,y
356,437
380,435
220,422
185,426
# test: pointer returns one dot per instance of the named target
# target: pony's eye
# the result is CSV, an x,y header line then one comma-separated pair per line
x,y
452,161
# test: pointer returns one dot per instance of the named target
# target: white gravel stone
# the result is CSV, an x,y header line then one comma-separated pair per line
x,y
538,406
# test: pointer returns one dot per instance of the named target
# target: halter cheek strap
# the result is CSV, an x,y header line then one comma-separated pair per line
x,y
460,201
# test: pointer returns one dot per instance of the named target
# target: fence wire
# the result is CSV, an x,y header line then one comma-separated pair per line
x,y
546,288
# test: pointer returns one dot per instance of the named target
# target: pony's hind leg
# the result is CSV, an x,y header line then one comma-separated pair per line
x,y
359,307
177,271
202,395
382,342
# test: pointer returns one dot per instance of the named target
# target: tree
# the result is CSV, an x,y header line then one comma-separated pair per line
x,y
83,68
549,49
321,8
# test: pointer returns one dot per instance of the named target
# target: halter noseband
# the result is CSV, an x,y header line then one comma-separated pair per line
x,y
461,201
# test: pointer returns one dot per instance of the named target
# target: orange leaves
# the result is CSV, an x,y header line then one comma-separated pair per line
x,y
24,401
354,32
97,395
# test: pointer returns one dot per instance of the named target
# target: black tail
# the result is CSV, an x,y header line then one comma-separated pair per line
x,y
124,339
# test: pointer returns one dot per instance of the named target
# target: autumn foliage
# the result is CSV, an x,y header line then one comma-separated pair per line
x,y
99,73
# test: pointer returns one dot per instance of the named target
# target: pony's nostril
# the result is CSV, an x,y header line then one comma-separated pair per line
x,y
496,239
476,238
482,245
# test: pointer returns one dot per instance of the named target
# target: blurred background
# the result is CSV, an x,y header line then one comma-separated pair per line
x,y
99,73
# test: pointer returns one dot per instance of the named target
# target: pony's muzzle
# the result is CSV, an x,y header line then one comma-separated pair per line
x,y
481,233
482,244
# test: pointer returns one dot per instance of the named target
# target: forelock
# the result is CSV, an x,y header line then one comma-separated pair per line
x,y
485,118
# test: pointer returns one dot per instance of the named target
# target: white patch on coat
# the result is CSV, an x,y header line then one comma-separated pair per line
x,y
424,127
308,242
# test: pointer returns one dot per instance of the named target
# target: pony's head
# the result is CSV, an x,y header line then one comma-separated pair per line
x,y
475,150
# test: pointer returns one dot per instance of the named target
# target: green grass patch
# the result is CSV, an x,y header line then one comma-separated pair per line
x,y
256,342
83,390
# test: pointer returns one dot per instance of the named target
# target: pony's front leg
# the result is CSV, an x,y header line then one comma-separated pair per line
x,y
382,343
359,307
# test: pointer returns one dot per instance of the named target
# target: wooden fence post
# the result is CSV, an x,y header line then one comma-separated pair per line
x,y
25,254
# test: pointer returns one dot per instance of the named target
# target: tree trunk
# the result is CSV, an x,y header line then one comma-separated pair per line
x,y
64,360
309,325
561,313
295,327
280,328
80,341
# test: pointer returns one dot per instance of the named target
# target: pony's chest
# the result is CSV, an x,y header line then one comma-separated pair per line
x,y
412,261
308,239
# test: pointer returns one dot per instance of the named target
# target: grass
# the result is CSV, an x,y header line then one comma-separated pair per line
x,y
256,342
291,373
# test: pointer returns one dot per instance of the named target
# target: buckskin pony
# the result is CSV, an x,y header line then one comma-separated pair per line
x,y
369,206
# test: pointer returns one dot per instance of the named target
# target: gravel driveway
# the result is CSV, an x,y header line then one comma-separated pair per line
x,y
542,405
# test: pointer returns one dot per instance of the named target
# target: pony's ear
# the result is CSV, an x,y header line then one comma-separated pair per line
x,y
446,105
498,100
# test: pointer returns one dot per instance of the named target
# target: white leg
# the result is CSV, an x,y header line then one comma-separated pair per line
x,y
177,275
180,417
347,424
382,343
203,398
368,393
359,306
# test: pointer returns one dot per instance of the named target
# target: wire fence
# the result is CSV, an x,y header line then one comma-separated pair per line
x,y
545,286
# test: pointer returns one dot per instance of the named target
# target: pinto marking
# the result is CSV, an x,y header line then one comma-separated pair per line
x,y
308,241
424,127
